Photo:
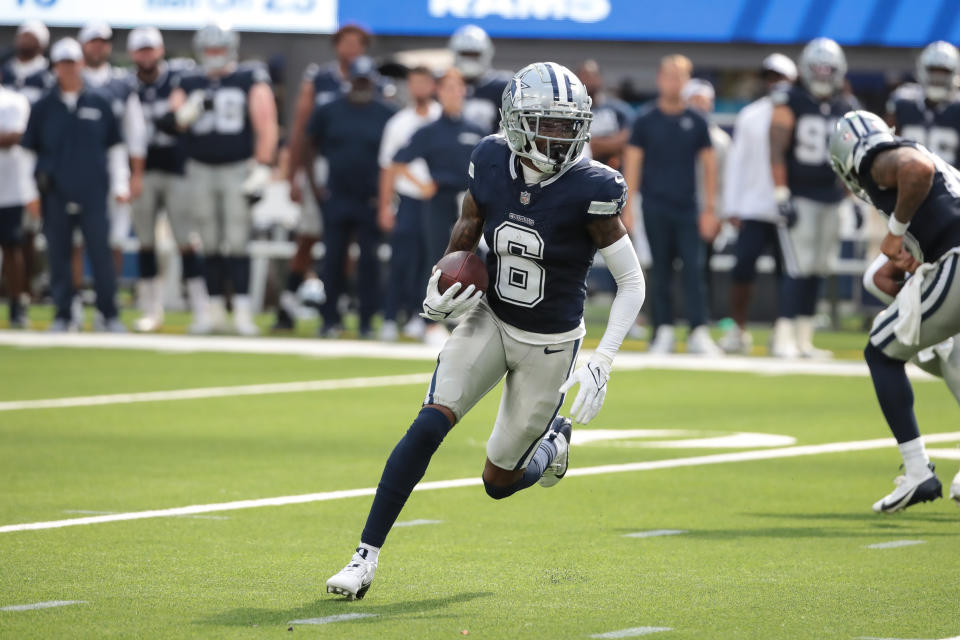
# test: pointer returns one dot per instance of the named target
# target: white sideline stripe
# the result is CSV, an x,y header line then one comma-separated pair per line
x,y
654,533
894,544
337,618
218,392
42,605
416,523
742,456
626,361
632,632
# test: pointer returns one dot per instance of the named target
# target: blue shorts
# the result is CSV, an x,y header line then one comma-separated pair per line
x,y
11,226
756,237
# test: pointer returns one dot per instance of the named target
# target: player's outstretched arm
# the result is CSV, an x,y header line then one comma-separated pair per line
x,y
469,227
909,171
618,253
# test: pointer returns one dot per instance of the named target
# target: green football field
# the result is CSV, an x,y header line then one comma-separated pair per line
x,y
699,505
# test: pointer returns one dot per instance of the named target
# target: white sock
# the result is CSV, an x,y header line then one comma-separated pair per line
x,y
197,294
372,552
289,302
915,458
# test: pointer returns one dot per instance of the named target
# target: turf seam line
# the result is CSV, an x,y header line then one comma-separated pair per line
x,y
894,544
742,456
340,617
632,632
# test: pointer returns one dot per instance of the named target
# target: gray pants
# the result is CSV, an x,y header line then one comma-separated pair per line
x,y
222,211
811,247
167,192
475,358
940,308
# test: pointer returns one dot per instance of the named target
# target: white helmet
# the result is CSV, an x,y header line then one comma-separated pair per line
x,y
546,103
937,69
215,36
823,67
472,51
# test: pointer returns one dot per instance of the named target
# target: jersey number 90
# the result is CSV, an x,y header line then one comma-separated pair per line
x,y
520,279
811,139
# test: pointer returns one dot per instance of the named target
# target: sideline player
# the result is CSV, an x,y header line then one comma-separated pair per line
x,y
809,197
230,118
544,210
472,56
920,194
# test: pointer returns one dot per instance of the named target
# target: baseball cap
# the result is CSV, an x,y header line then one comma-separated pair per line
x,y
39,31
66,49
95,31
144,38
779,63
697,87
363,67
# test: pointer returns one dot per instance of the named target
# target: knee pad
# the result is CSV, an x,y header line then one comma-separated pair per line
x,y
498,493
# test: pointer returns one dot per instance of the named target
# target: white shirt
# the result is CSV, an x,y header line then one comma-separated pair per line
x,y
396,134
133,122
16,164
720,141
747,180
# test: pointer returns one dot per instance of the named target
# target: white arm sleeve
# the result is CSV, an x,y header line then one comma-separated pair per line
x,y
118,165
621,260
135,127
870,285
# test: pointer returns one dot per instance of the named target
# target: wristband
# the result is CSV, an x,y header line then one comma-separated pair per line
x,y
895,227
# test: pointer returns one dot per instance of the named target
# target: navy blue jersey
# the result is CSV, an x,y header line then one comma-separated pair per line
x,y
446,145
329,84
349,134
484,97
117,86
610,117
671,144
540,249
937,127
809,174
164,152
72,144
32,84
224,133
935,228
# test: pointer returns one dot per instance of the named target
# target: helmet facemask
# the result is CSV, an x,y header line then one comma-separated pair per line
x,y
551,139
822,80
938,83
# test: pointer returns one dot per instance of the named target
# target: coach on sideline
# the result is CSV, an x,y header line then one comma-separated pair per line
x,y
75,136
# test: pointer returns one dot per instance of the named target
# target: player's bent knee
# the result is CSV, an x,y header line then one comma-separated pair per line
x,y
446,411
497,492
875,357
429,429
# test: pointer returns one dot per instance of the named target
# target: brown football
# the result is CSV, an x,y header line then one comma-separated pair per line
x,y
464,267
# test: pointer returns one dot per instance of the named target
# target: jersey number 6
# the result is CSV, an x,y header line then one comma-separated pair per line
x,y
519,279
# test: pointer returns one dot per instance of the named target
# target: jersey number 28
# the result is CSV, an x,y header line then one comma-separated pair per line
x,y
519,278
227,116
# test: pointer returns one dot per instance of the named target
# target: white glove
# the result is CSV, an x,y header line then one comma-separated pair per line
x,y
592,379
257,181
191,110
444,306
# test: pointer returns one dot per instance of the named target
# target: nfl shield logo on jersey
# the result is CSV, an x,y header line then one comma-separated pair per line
x,y
524,198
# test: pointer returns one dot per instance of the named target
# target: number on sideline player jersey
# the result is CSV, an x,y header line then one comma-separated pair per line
x,y
935,127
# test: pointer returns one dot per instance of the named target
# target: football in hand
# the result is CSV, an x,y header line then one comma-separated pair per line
x,y
464,267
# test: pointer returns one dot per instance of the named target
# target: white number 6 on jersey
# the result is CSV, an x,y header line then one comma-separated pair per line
x,y
519,279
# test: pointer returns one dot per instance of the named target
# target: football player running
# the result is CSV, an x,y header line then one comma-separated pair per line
x,y
809,197
929,112
230,118
544,210
920,194
472,56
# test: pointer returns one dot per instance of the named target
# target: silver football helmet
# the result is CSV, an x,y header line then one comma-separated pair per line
x,y
823,67
937,69
472,51
216,36
856,133
546,115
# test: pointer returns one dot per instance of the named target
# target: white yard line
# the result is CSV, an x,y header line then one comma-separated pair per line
x,y
632,632
743,456
42,605
416,523
654,533
337,618
218,392
895,544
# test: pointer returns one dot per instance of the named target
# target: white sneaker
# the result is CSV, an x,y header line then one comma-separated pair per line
x,y
389,331
638,332
736,340
415,328
663,341
783,341
910,491
436,335
354,579
559,434
76,312
243,317
216,314
805,329
111,325
700,343
955,489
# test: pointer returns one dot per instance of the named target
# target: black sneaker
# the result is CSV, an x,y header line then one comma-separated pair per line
x,y
284,321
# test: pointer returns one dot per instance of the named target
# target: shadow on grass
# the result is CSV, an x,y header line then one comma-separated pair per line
x,y
896,518
246,617
881,526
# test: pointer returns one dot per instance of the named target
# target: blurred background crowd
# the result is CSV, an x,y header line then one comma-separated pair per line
x,y
316,177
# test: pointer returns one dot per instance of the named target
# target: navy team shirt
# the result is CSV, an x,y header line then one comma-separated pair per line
x,y
540,249
329,84
348,134
671,144
610,117
118,88
446,145
935,228
32,85
484,98
809,174
224,133
935,127
72,145
165,152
